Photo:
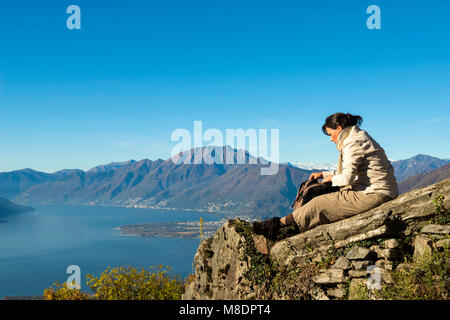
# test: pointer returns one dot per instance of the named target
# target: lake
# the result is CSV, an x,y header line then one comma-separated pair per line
x,y
37,247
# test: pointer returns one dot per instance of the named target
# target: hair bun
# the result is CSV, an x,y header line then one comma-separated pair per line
x,y
341,119
352,120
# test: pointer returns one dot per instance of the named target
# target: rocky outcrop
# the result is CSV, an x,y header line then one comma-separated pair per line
x,y
328,262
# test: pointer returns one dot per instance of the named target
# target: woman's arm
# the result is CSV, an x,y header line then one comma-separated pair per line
x,y
327,174
316,175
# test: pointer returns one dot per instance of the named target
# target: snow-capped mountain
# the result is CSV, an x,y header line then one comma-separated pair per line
x,y
313,166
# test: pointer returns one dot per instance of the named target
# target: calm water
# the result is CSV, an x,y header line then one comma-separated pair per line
x,y
37,247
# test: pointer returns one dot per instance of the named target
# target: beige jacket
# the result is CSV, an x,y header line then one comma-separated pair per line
x,y
363,164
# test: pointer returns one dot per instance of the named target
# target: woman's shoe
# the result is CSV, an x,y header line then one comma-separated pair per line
x,y
268,228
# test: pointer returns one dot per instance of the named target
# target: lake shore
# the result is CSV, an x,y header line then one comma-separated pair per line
x,y
185,230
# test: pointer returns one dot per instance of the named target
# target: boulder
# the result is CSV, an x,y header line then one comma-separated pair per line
x,y
358,253
436,229
220,265
444,243
342,263
361,265
391,254
392,244
357,273
338,292
385,264
402,216
330,276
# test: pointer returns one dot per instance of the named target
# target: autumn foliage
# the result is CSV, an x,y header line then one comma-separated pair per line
x,y
124,283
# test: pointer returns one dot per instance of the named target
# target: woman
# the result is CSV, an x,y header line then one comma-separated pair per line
x,y
364,174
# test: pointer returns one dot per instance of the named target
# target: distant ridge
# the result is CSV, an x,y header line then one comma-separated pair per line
x,y
420,163
403,169
314,166
15,182
424,179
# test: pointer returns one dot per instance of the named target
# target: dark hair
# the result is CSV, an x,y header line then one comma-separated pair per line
x,y
341,119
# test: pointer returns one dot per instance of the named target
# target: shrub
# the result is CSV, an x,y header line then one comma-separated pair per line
x,y
60,291
128,283
294,282
442,216
427,278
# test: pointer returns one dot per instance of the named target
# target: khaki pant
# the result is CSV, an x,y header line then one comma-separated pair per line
x,y
336,206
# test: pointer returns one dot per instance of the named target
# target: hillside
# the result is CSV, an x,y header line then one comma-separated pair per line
x,y
403,169
424,179
15,182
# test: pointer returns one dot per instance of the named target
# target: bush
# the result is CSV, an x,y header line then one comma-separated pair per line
x,y
61,292
128,283
427,278
295,282
442,216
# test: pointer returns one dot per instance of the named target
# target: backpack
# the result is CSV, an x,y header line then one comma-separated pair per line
x,y
310,189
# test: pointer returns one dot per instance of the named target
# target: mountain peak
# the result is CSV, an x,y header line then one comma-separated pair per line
x,y
111,166
420,163
216,155
313,165
423,157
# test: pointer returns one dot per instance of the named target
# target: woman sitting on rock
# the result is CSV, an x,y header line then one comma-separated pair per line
x,y
364,174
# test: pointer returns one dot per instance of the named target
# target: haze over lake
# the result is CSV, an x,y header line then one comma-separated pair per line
x,y
37,247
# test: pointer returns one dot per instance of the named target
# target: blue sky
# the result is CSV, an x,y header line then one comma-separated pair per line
x,y
137,70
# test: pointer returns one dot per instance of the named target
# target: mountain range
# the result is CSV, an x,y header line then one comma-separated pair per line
x,y
403,169
424,179
224,188
313,165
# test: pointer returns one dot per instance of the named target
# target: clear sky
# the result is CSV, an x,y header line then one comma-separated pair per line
x,y
137,70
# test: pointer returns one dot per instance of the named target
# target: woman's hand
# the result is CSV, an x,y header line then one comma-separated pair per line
x,y
316,175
